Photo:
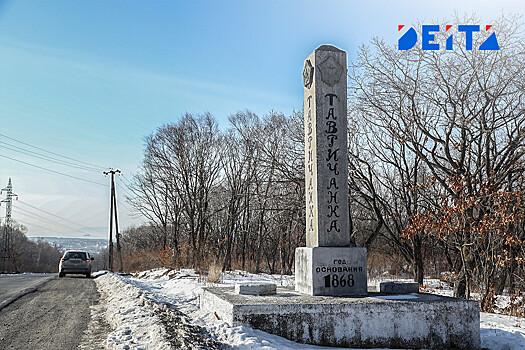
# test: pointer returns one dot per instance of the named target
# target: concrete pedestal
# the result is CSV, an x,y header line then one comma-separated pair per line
x,y
378,321
334,271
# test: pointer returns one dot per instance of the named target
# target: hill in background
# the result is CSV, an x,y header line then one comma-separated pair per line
x,y
92,245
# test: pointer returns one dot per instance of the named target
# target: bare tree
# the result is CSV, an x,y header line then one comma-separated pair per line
x,y
234,197
452,122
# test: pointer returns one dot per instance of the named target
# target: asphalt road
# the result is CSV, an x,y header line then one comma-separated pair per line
x,y
11,285
55,316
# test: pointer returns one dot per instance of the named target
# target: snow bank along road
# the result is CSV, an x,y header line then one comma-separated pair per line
x,y
54,316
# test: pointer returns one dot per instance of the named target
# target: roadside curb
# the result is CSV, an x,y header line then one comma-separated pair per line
x,y
23,292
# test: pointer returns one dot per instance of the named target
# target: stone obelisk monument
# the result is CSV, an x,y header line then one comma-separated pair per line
x,y
327,265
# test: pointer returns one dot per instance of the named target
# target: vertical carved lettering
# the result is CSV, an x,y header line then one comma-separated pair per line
x,y
334,168
333,197
331,114
332,154
331,139
333,211
333,226
325,155
331,127
331,98
310,159
332,184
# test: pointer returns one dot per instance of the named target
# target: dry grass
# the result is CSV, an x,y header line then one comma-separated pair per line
x,y
214,272
381,262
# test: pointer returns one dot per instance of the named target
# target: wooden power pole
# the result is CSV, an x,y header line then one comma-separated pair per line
x,y
113,211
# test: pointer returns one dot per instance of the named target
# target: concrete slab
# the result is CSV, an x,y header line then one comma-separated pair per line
x,y
256,288
399,287
377,320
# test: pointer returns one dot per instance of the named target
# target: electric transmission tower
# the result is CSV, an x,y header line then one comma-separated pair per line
x,y
6,252
113,211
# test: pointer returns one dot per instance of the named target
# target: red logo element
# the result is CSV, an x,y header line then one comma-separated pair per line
x,y
488,26
399,27
448,27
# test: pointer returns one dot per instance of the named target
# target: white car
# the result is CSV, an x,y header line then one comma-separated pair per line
x,y
75,261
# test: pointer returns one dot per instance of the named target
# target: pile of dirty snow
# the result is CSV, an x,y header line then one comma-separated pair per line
x,y
135,326
143,321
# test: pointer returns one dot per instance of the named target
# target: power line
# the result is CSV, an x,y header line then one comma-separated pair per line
x,y
118,201
127,186
53,171
124,189
128,180
44,157
53,158
57,216
32,215
44,228
56,154
40,217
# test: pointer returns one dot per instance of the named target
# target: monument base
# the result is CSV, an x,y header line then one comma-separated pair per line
x,y
377,321
334,271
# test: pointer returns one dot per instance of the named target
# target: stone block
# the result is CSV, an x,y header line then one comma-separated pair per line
x,y
412,321
334,271
399,287
255,288
326,164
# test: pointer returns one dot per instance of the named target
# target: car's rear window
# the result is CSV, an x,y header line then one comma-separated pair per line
x,y
76,255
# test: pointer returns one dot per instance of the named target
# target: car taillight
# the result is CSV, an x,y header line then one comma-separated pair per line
x,y
87,260
64,259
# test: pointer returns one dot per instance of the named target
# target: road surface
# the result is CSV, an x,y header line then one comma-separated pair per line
x,y
55,316
11,285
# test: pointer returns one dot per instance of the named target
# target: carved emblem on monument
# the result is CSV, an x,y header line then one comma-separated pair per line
x,y
330,71
308,74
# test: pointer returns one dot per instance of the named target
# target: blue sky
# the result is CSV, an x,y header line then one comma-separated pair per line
x,y
90,79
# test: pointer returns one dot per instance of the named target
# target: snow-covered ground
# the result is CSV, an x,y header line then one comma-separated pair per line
x,y
142,308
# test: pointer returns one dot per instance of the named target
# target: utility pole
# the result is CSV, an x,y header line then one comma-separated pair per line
x,y
113,211
6,252
117,233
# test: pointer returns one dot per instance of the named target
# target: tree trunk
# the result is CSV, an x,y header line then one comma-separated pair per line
x,y
417,264
460,286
